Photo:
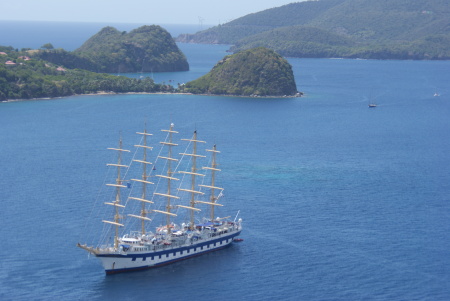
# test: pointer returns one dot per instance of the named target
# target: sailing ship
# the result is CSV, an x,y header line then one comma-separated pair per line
x,y
172,195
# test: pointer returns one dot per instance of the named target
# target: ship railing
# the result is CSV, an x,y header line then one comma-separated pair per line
x,y
105,249
177,244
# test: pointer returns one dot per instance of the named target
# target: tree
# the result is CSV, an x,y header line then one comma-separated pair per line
x,y
47,46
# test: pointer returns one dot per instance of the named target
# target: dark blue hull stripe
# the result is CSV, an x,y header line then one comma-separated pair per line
x,y
154,254
116,271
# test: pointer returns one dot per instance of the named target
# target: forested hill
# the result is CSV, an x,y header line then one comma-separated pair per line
x,y
23,75
400,29
254,72
145,49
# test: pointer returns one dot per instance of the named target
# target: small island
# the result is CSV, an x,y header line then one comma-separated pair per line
x,y
254,72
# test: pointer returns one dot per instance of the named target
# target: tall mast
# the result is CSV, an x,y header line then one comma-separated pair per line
x,y
213,188
118,186
169,177
143,199
193,174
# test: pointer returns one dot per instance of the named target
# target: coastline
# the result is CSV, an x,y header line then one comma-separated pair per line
x,y
87,94
299,94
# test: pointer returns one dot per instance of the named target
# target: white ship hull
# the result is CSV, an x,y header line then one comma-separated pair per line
x,y
155,256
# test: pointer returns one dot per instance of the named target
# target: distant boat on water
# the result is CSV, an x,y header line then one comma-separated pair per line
x,y
371,102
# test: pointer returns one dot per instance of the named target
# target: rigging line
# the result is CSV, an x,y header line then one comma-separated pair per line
x,y
136,205
159,179
128,169
182,179
181,183
189,164
164,167
185,151
91,213
207,172
158,182
161,149
156,188
106,230
131,162
94,206
152,171
181,160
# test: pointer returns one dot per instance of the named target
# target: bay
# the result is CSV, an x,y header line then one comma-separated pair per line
x,y
339,201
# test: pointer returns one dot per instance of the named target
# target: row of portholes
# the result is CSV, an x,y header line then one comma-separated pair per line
x,y
175,253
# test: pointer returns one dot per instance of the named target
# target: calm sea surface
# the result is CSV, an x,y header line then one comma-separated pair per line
x,y
68,35
339,201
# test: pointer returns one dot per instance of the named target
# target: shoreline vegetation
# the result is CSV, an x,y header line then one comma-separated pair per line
x,y
48,72
27,74
24,75
26,78
100,93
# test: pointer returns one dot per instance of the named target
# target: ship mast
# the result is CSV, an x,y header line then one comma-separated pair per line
x,y
118,186
193,174
143,199
169,177
213,188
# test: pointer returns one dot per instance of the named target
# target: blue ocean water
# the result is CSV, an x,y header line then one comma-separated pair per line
x,y
339,201
69,35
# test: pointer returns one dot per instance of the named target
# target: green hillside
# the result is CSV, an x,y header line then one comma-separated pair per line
x,y
145,49
292,40
287,15
258,72
24,76
401,29
387,19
